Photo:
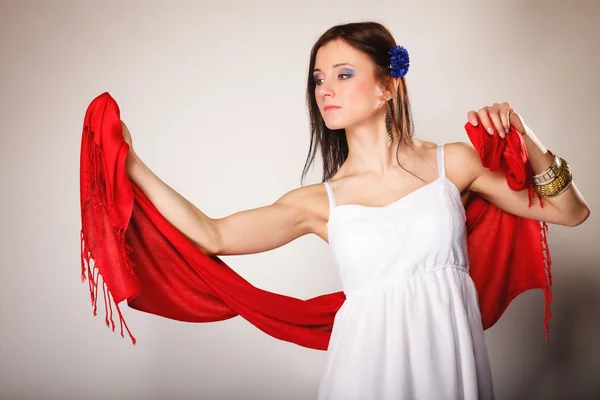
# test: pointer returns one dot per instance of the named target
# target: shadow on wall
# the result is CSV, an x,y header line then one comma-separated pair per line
x,y
569,368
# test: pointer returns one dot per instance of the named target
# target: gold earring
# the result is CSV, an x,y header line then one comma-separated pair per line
x,y
388,125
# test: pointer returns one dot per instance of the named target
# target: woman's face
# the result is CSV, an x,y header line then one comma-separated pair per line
x,y
345,80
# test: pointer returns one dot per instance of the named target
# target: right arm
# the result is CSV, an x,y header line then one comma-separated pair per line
x,y
266,228
245,232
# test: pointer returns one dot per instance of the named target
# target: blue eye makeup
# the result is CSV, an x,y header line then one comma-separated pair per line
x,y
344,74
349,72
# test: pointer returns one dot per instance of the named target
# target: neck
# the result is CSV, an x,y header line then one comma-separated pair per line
x,y
369,148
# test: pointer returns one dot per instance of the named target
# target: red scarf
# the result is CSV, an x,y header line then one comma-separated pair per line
x,y
143,259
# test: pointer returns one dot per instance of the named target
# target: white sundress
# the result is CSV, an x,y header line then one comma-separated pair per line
x,y
410,327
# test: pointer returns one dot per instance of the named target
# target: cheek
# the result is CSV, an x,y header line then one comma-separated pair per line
x,y
363,97
359,91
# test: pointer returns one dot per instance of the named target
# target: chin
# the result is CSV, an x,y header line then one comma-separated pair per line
x,y
335,124
335,127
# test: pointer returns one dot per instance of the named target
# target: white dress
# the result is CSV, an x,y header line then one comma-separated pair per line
x,y
410,327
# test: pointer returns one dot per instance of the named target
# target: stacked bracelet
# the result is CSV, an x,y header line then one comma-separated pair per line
x,y
554,180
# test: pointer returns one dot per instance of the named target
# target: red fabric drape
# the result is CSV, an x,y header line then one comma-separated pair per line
x,y
144,260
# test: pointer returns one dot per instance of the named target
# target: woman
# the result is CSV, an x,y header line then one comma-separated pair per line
x,y
391,207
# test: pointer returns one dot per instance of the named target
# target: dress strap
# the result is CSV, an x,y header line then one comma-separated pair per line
x,y
330,195
440,160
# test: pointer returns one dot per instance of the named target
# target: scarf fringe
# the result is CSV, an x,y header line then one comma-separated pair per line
x,y
547,263
94,197
108,299
548,270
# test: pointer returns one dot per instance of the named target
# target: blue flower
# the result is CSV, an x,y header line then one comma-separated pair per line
x,y
399,61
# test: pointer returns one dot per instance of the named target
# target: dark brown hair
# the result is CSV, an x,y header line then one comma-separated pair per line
x,y
375,41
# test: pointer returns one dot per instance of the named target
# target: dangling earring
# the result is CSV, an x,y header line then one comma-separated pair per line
x,y
388,125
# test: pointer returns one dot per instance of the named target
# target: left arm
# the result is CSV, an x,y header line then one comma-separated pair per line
x,y
568,208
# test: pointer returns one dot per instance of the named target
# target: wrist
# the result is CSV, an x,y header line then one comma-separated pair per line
x,y
133,162
531,140
539,156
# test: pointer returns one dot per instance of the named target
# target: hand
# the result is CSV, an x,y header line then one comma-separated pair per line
x,y
132,158
498,119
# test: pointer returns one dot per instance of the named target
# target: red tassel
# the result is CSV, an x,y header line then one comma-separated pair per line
x,y
105,304
95,290
111,314
547,263
123,323
548,268
94,197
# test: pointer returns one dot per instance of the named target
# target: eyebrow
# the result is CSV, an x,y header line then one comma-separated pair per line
x,y
335,66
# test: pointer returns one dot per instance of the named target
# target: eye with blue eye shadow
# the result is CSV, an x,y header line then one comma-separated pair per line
x,y
345,74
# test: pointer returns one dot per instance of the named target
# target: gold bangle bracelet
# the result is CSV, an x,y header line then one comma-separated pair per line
x,y
550,173
558,185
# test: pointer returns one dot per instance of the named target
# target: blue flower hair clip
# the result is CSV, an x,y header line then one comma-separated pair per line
x,y
399,61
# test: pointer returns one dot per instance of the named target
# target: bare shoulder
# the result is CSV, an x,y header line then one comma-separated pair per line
x,y
461,161
312,202
453,151
462,164
425,150
304,196
424,147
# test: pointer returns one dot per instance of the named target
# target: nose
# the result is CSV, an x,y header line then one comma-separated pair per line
x,y
325,89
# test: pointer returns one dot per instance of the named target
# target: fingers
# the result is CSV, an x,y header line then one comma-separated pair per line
x,y
485,120
495,119
504,114
497,122
472,117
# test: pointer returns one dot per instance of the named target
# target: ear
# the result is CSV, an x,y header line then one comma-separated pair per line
x,y
390,86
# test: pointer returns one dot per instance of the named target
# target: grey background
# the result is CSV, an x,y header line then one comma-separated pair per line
x,y
213,93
